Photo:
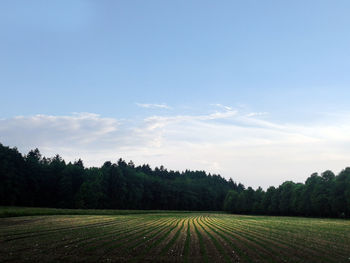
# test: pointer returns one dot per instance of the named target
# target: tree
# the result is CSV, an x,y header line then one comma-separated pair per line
x,y
285,195
34,180
230,203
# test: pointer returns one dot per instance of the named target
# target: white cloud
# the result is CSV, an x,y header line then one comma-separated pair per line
x,y
254,114
153,106
222,106
251,150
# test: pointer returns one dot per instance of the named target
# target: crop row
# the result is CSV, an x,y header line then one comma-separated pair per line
x,y
196,237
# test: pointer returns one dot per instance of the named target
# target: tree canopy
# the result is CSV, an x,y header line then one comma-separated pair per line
x,y
34,180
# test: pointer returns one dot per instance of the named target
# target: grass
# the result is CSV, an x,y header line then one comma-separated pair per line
x,y
38,234
13,211
186,248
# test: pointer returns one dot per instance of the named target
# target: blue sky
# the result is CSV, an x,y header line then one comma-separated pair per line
x,y
248,81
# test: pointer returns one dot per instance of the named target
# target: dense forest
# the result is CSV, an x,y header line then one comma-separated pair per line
x,y
33,180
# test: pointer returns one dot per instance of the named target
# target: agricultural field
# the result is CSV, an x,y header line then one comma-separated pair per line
x,y
173,237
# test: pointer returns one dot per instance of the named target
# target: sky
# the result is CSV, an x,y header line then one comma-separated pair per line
x,y
254,90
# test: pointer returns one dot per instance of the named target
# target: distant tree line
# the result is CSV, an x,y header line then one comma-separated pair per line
x,y
324,195
33,180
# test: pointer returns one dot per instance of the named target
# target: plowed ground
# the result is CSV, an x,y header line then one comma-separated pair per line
x,y
173,237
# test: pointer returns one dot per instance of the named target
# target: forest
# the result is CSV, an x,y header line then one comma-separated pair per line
x,y
37,181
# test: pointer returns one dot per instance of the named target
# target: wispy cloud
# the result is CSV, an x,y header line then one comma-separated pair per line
x,y
75,129
222,106
153,106
247,147
254,114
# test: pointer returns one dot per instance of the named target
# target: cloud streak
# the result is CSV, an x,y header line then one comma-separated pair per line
x,y
246,147
153,106
222,106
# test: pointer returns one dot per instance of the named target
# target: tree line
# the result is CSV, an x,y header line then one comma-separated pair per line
x,y
34,180
325,195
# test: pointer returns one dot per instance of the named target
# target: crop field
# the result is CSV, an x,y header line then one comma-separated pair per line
x,y
173,237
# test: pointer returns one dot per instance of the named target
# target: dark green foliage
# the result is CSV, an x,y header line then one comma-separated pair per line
x,y
321,196
12,177
33,180
231,201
